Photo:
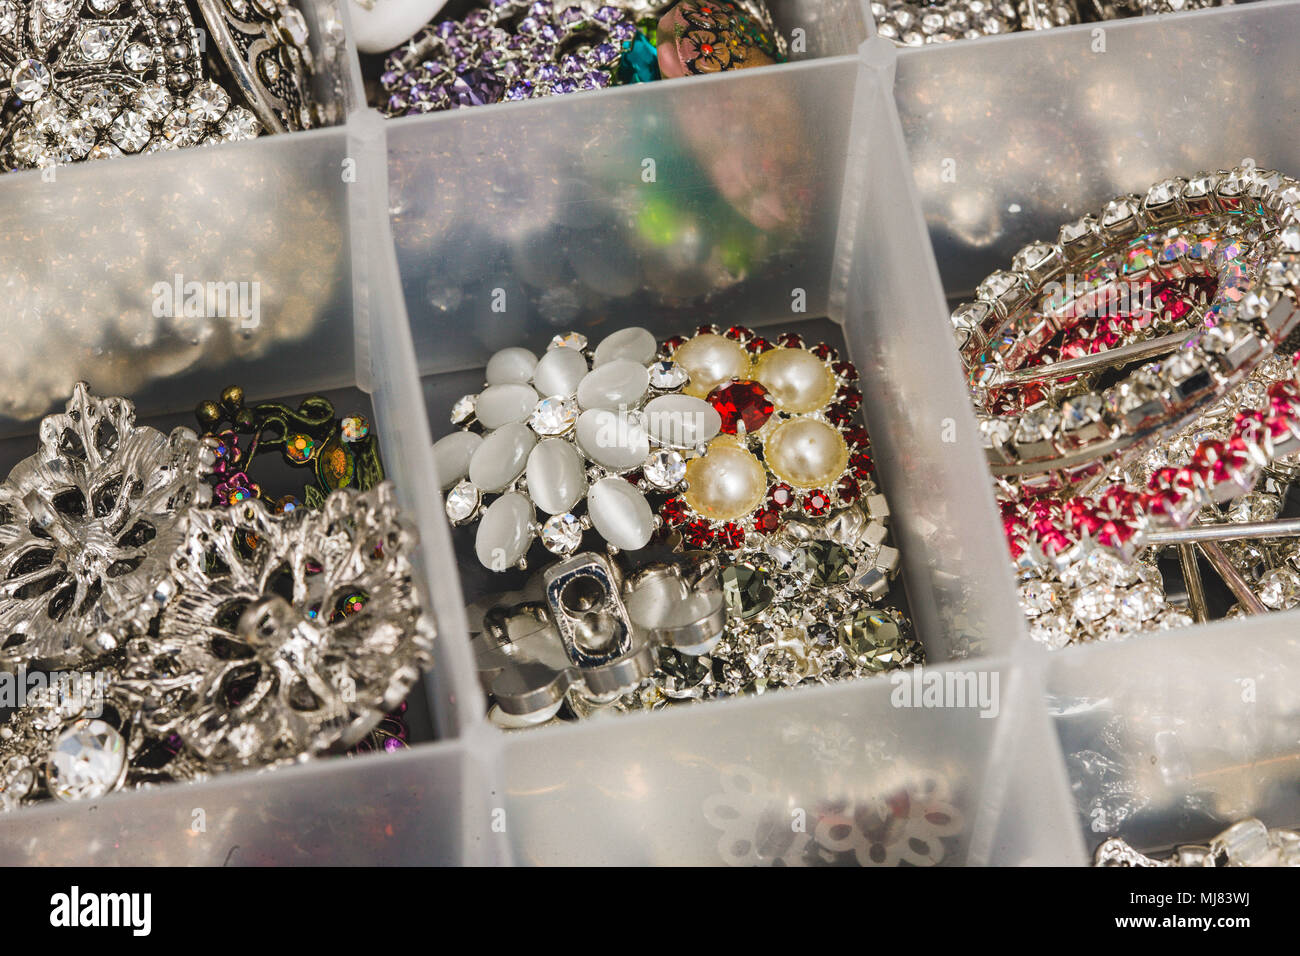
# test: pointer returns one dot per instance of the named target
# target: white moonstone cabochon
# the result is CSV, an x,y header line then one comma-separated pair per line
x,y
499,405
452,454
504,532
620,513
501,458
556,479
680,421
634,344
617,384
559,372
612,440
511,366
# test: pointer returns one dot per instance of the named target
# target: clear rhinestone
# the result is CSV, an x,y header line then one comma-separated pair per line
x,y
239,124
208,102
1280,589
78,138
1141,603
665,469
100,106
105,151
573,340
294,25
182,129
997,285
463,410
554,415
97,44
1289,238
8,17
1255,506
667,376
1094,602
1033,256
154,102
137,57
105,6
48,118
30,80
131,131
561,534
462,502
1164,192
1173,617
1052,630
1039,597
86,761
57,9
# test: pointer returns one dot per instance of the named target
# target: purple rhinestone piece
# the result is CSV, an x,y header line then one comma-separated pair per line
x,y
571,65
547,73
446,28
571,15
528,25
542,8
566,86
477,88
622,32
605,53
608,15
520,91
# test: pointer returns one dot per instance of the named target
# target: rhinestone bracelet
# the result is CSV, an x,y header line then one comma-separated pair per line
x,y
1248,843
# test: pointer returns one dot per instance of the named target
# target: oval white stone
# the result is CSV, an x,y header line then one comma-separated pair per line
x,y
619,383
634,344
680,421
511,366
504,532
611,440
452,454
500,405
556,480
501,457
620,514
559,372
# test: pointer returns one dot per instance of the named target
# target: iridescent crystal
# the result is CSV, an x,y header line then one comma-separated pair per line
x,y
462,502
8,17
561,534
572,340
30,80
554,416
97,43
665,469
131,131
208,102
1280,589
463,410
137,57
239,124
667,376
86,761
1094,602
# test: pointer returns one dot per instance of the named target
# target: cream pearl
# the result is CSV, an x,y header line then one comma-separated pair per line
x,y
798,381
806,453
711,360
726,483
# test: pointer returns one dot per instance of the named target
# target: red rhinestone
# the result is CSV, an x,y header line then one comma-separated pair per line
x,y
698,534
846,370
816,503
860,464
767,520
790,340
732,535
746,402
838,415
673,511
848,490
738,332
824,352
673,344
849,398
857,435
706,330
758,345
780,496
706,49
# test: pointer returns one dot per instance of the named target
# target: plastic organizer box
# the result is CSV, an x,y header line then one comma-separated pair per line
x,y
910,174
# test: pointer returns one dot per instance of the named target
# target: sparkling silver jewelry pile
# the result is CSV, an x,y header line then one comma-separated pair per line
x,y
166,639
1247,843
1104,459
93,79
919,22
724,443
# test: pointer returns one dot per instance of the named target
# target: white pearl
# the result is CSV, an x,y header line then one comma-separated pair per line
x,y
500,405
634,344
378,27
806,453
556,480
452,454
504,532
797,380
711,360
559,372
617,384
680,421
726,483
620,514
611,440
511,366
501,457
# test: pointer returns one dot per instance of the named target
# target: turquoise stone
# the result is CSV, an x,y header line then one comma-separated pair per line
x,y
640,62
